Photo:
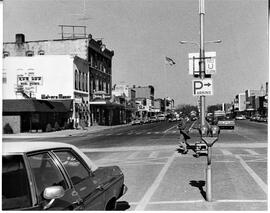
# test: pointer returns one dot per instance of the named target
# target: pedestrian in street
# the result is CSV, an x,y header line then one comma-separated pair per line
x,y
183,136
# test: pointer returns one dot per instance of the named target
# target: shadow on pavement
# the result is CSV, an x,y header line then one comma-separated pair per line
x,y
122,205
199,184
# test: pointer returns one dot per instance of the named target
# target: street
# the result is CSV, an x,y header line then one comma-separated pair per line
x,y
160,178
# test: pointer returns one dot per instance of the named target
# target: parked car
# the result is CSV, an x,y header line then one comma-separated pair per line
x,y
240,117
161,117
262,119
153,119
252,118
225,122
145,121
56,176
136,121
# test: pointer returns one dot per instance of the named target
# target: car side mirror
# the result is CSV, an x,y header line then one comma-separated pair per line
x,y
51,193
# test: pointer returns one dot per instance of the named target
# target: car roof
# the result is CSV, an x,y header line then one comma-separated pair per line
x,y
9,148
24,147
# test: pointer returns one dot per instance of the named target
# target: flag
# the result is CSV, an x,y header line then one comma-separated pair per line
x,y
169,61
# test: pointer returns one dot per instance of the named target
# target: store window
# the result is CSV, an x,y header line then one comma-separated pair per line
x,y
29,53
5,54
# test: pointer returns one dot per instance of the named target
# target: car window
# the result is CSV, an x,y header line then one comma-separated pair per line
x,y
15,183
45,172
75,169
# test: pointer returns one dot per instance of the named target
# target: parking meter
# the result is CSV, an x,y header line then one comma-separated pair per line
x,y
215,130
204,131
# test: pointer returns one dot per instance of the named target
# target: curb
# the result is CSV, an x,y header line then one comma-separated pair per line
x,y
60,134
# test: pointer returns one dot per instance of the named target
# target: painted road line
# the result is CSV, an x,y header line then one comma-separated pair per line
x,y
149,193
120,133
148,133
201,201
226,152
154,154
133,155
169,147
239,145
169,129
250,151
257,179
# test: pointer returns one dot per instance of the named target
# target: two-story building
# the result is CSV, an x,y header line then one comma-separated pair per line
x,y
87,69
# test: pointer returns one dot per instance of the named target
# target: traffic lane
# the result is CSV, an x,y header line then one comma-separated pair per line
x,y
252,130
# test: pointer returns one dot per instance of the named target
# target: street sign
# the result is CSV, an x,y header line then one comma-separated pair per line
x,y
202,87
210,63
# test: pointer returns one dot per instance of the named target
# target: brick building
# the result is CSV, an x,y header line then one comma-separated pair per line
x,y
94,82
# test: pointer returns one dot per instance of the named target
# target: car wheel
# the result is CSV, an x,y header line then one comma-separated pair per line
x,y
111,205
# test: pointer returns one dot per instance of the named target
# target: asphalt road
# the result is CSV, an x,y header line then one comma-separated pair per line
x,y
160,178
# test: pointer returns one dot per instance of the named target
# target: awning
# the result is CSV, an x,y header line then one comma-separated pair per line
x,y
106,103
33,105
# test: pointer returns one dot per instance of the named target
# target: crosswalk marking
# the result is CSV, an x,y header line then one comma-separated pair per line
x,y
252,152
154,154
226,152
133,155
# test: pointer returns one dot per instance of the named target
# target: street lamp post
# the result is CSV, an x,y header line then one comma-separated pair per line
x,y
202,97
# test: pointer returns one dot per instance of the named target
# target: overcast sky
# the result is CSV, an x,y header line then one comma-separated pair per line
x,y
143,32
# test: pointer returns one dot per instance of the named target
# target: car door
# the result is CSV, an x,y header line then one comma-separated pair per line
x,y
82,178
46,171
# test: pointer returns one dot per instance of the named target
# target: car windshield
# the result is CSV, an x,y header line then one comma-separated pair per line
x,y
223,118
15,185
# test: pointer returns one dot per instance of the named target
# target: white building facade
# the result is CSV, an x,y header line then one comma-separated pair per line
x,y
51,77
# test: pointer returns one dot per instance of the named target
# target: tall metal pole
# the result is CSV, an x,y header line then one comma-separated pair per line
x,y
202,99
202,63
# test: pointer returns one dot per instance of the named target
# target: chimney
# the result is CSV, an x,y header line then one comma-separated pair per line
x,y
20,39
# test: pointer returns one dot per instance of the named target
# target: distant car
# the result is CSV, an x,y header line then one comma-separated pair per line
x,y
161,117
261,119
225,122
172,119
252,118
56,176
240,117
145,120
153,119
136,121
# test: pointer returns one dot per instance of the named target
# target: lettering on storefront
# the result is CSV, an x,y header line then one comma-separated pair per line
x,y
60,96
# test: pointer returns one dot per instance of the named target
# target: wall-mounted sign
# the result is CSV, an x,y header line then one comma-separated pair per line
x,y
29,79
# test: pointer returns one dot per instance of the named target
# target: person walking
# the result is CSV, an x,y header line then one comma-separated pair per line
x,y
183,136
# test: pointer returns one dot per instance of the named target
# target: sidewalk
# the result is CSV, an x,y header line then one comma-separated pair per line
x,y
63,133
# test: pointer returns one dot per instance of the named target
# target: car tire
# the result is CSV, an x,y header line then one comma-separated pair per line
x,y
111,205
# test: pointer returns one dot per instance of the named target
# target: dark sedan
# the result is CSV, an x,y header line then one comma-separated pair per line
x,y
56,176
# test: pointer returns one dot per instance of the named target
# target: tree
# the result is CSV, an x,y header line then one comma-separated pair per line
x,y
213,108
186,109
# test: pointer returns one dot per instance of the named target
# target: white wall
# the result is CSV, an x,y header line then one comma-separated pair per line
x,y
56,70
242,102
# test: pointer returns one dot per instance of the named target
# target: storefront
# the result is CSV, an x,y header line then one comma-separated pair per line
x,y
104,112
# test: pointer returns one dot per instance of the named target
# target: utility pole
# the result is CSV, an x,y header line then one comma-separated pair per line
x,y
202,100
202,58
209,134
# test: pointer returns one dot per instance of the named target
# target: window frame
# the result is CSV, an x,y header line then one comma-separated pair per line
x,y
30,180
58,165
79,158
